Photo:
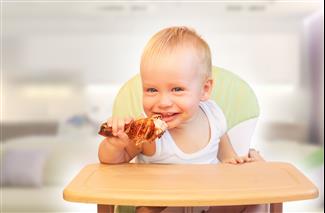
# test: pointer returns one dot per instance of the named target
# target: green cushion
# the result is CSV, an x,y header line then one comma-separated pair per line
x,y
232,94
128,101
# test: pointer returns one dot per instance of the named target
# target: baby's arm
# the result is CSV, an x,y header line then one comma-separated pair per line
x,y
119,148
227,154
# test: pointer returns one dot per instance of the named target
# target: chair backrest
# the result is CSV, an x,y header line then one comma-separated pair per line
x,y
231,93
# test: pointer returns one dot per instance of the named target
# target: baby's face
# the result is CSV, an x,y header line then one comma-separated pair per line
x,y
173,87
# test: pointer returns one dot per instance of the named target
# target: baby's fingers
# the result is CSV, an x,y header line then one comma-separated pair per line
x,y
230,160
109,122
128,120
247,159
255,155
117,125
239,160
123,136
120,126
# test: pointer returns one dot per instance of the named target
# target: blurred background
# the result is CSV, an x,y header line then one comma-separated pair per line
x,y
63,62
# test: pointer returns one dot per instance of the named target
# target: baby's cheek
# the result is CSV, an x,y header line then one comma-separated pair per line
x,y
147,106
190,105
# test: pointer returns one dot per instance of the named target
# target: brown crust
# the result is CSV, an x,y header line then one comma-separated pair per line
x,y
139,131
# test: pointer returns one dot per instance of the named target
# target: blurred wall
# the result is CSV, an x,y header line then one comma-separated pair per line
x,y
62,59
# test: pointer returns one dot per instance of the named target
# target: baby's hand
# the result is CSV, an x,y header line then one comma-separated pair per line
x,y
118,124
238,160
255,155
117,147
119,139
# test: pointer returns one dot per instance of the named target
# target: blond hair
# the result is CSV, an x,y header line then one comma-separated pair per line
x,y
169,39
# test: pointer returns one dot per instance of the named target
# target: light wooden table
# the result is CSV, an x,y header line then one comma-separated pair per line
x,y
189,185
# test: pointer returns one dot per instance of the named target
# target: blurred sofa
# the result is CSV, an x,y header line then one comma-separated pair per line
x,y
35,170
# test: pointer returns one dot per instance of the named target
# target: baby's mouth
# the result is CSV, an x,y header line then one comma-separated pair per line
x,y
168,116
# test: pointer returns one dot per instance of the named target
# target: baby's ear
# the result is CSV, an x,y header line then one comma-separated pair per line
x,y
206,89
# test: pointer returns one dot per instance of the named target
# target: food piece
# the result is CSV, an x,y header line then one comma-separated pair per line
x,y
141,130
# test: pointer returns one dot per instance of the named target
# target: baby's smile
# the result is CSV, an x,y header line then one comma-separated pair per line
x,y
168,116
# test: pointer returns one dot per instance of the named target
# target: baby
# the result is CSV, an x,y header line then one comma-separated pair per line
x,y
177,82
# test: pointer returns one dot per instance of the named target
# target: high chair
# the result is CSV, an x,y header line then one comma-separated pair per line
x,y
130,184
230,92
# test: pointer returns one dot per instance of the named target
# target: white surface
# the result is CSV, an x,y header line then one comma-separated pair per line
x,y
241,136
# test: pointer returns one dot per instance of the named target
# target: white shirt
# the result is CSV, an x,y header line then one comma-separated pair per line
x,y
168,152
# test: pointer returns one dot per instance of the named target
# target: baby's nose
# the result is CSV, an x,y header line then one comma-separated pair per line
x,y
165,101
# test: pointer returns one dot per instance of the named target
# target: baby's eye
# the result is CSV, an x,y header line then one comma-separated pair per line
x,y
177,89
151,90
